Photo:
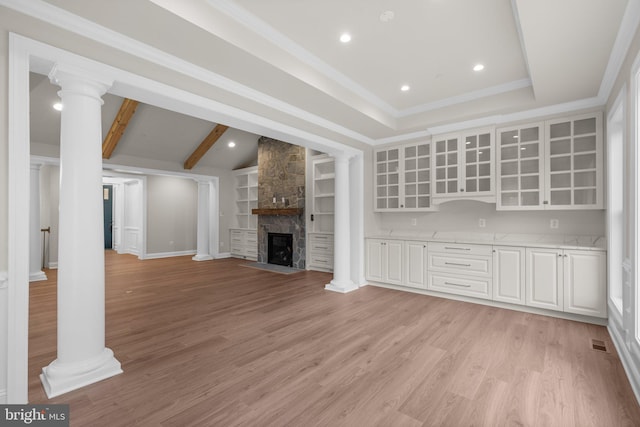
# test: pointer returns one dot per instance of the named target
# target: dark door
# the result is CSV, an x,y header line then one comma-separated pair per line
x,y
107,196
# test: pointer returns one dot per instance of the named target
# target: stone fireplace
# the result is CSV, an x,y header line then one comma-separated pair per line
x,y
281,197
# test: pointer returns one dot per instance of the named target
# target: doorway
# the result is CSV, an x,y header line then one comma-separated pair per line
x,y
107,202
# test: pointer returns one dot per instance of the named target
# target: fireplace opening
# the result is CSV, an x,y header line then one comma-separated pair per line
x,y
280,249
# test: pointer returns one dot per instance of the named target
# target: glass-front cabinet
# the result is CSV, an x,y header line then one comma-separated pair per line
x,y
403,178
463,166
555,164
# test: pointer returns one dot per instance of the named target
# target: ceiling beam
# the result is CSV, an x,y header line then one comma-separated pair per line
x,y
118,126
205,145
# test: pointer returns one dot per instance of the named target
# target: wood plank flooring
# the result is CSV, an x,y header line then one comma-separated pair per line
x,y
214,344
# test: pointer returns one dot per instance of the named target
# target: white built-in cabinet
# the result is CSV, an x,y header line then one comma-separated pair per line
x,y
557,164
553,164
416,264
463,166
242,235
403,178
384,260
509,274
567,280
320,215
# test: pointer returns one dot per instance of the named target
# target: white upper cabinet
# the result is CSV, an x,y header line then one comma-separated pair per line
x,y
552,165
463,166
403,178
574,163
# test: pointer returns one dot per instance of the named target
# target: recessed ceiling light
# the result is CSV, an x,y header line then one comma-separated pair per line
x,y
405,88
478,67
387,16
231,144
345,37
58,106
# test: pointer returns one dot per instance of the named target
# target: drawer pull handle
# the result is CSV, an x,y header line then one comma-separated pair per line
x,y
457,249
321,247
458,264
457,284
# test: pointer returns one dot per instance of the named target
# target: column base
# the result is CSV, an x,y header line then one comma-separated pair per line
x,y
342,286
59,378
37,276
204,257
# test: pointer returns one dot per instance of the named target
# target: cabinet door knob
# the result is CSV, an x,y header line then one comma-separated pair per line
x,y
559,255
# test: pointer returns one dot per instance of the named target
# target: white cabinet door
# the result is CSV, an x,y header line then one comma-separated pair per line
x,y
585,283
544,278
416,264
509,274
416,194
446,166
387,179
375,260
393,252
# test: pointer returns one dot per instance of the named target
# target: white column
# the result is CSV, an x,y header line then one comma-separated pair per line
x,y
82,356
341,236
203,253
35,236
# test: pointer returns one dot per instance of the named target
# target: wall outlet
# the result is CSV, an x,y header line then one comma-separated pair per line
x,y
482,223
554,223
414,221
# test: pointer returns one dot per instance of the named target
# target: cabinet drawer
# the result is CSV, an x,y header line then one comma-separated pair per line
x,y
321,238
322,248
460,248
236,249
474,287
461,264
251,236
236,234
321,261
251,251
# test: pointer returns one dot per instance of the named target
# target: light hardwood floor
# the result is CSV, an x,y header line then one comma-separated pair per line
x,y
218,344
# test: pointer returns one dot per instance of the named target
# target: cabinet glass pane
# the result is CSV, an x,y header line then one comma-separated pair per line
x,y
472,170
382,179
393,190
381,156
584,161
484,184
410,164
471,156
530,198
561,146
410,190
423,202
484,169
509,199
423,150
393,203
423,163
471,142
529,166
393,154
484,155
452,186
471,186
530,182
580,127
509,168
529,150
382,191
393,166
584,179
584,143
561,197
484,140
441,173
561,180
382,203
440,187
382,168
441,160
410,202
509,184
509,137
560,163
452,172
560,130
452,145
423,189
452,158
441,146
584,196
410,177
509,153
409,151
529,134
424,176
393,178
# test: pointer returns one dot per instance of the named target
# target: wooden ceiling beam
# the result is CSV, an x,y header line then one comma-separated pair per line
x,y
205,145
118,127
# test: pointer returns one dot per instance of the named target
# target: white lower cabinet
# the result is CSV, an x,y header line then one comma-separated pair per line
x,y
569,280
416,264
509,274
572,281
244,244
585,282
384,261
320,256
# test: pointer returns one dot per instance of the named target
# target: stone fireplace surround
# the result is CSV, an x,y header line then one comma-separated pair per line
x,y
281,175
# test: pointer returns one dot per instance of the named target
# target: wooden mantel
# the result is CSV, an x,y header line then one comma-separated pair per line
x,y
277,211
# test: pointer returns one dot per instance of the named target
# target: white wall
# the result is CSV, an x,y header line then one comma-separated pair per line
x,y
172,212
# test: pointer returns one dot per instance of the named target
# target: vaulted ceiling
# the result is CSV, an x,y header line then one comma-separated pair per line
x,y
535,54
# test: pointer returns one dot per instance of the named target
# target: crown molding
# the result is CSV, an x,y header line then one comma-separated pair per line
x,y
628,28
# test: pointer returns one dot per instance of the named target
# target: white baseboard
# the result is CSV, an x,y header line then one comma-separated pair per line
x,y
3,397
630,368
223,255
169,254
53,265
